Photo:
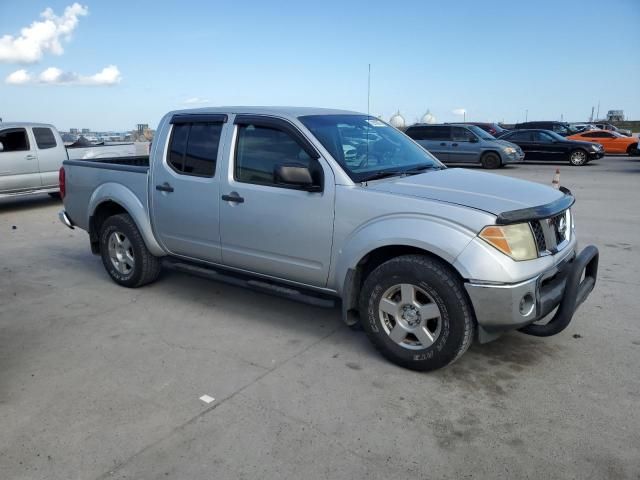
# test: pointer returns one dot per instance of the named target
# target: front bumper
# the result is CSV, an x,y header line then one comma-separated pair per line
x,y
501,308
596,155
517,157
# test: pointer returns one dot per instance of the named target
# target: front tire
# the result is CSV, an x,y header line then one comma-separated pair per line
x,y
124,253
416,313
491,161
633,150
578,157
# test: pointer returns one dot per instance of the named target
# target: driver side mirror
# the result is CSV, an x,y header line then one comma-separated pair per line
x,y
1,147
295,175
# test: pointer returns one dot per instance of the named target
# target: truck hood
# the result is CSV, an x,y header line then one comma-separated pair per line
x,y
489,192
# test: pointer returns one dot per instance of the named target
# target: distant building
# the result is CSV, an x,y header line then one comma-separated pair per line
x,y
615,116
85,131
397,120
142,127
73,131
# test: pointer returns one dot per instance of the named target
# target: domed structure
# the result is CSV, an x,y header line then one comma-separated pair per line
x,y
397,120
428,118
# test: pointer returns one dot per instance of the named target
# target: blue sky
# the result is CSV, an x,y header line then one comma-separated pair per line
x,y
495,59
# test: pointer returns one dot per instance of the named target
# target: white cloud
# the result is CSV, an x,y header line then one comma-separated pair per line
x,y
54,76
196,100
459,111
19,77
42,37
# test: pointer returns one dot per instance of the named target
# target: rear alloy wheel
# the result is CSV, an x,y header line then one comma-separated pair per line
x,y
633,150
578,158
124,253
415,311
491,161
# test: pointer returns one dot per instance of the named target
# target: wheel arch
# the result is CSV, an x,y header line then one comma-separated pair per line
x,y
113,199
366,260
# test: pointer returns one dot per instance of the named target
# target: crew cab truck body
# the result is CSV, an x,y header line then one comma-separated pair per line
x,y
317,204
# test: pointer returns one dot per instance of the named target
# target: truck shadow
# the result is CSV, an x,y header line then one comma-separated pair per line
x,y
27,202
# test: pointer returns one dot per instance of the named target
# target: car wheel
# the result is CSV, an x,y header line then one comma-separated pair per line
x,y
633,150
578,158
124,253
416,313
491,161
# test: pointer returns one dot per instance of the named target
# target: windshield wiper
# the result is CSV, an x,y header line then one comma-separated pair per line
x,y
407,171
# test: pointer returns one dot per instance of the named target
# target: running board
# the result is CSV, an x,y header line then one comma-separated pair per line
x,y
253,283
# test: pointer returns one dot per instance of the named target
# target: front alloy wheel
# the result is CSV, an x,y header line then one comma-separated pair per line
x,y
578,157
410,316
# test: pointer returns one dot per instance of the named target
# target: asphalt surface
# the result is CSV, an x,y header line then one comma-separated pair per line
x,y
101,382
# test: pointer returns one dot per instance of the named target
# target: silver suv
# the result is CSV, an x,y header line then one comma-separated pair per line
x,y
463,144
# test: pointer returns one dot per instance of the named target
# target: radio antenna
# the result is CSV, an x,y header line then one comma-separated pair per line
x,y
369,92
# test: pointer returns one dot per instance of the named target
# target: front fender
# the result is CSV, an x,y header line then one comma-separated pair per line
x,y
128,200
435,235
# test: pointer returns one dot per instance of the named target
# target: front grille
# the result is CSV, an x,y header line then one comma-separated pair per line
x,y
554,223
551,234
539,236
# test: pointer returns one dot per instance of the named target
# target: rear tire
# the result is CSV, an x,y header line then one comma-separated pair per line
x,y
491,161
633,150
578,157
416,313
124,253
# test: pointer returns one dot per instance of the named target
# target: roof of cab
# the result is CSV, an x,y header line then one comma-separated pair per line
x,y
24,124
287,112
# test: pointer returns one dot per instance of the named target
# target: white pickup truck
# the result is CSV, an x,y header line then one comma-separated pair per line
x,y
32,153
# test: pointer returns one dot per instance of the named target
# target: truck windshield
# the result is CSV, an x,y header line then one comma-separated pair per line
x,y
367,148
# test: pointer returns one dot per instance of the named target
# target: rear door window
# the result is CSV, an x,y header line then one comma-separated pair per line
x,y
437,133
193,149
14,140
44,138
519,137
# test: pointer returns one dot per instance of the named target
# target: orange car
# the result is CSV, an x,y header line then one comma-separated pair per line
x,y
612,142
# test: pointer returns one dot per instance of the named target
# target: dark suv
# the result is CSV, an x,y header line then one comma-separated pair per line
x,y
561,128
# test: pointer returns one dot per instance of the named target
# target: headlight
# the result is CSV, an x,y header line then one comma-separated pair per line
x,y
509,150
596,146
514,240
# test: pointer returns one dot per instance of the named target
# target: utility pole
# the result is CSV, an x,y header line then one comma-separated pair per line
x,y
526,115
369,91
598,114
591,117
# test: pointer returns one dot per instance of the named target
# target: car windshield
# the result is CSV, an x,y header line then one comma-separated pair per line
x,y
481,133
367,148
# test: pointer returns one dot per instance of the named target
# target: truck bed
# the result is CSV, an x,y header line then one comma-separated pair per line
x,y
128,164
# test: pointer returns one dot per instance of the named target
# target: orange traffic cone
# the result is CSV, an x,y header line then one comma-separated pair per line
x,y
556,179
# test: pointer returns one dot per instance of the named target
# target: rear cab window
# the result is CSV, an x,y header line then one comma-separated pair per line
x,y
193,148
44,138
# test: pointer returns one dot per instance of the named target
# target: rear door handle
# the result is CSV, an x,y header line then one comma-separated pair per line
x,y
165,187
454,144
443,144
233,197
30,157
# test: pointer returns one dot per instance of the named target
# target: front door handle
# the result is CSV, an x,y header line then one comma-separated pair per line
x,y
443,144
165,187
30,157
454,144
233,197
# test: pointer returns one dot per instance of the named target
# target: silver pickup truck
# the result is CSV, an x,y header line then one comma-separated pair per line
x,y
318,205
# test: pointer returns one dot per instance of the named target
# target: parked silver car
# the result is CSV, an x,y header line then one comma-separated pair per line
x,y
425,258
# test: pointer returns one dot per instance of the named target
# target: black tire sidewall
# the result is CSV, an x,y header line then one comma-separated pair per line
x,y
439,283
119,224
491,161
